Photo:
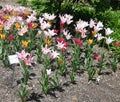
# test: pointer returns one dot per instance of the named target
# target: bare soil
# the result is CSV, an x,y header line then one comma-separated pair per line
x,y
107,90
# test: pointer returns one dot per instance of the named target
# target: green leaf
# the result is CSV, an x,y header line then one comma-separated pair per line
x,y
0,50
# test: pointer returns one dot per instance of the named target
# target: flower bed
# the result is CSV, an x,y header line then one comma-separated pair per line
x,y
63,50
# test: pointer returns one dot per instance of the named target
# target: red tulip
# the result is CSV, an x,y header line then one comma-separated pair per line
x,y
76,40
95,55
55,31
60,39
65,44
99,59
116,43
29,25
10,37
80,43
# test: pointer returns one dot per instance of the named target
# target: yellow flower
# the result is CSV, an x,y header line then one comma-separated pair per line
x,y
1,27
94,33
27,13
6,17
60,61
48,42
2,36
50,22
17,25
89,41
34,25
25,44
15,14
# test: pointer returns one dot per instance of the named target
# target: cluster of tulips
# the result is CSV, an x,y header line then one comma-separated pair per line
x,y
70,49
17,30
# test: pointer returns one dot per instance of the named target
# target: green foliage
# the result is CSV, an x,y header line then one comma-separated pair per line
x,y
91,72
83,12
36,5
22,2
114,62
41,6
115,4
23,92
84,9
72,76
78,8
55,82
100,5
45,82
112,19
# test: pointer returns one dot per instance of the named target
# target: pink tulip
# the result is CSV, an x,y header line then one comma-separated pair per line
x,y
22,55
28,60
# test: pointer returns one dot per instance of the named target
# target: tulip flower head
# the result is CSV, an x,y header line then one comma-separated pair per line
x,y
28,60
89,41
46,50
94,33
25,44
22,55
10,37
116,44
48,42
60,61
54,54
95,55
25,57
92,23
17,25
48,72
109,40
108,31
99,59
2,36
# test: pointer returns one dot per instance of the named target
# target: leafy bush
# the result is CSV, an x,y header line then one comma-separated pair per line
x,y
112,19
22,2
42,6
